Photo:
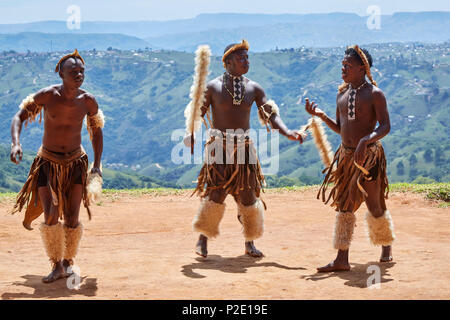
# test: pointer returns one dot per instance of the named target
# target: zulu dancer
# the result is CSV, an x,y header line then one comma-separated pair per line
x,y
231,97
58,178
358,170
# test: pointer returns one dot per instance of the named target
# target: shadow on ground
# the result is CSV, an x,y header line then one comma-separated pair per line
x,y
359,276
230,265
57,289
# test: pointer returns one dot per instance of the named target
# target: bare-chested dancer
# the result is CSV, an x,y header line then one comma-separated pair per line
x,y
56,183
358,172
231,97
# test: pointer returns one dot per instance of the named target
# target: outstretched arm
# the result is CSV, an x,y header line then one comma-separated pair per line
x,y
29,109
382,114
312,109
275,119
96,134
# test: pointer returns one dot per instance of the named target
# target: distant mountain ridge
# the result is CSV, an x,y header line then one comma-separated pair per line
x,y
265,32
145,29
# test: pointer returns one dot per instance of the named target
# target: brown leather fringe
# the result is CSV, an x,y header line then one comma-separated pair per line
x,y
345,177
61,169
234,177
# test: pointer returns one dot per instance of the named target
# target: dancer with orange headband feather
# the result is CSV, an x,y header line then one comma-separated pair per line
x,y
358,170
231,97
59,180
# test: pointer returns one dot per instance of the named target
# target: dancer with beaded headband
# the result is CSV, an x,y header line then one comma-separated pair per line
x,y
231,97
58,179
358,170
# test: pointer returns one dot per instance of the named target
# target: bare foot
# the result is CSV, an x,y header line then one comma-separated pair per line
x,y
386,254
57,273
201,246
334,266
66,264
251,250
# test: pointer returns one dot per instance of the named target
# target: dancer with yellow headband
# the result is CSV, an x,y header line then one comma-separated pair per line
x,y
231,97
58,180
358,170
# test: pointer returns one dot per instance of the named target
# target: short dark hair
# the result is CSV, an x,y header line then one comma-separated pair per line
x,y
352,53
229,46
61,61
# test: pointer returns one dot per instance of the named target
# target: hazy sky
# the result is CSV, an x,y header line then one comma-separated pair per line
x,y
16,11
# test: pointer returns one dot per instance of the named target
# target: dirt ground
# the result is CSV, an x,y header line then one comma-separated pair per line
x,y
143,248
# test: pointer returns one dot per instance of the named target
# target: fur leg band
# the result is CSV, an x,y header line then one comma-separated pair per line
x,y
252,219
32,108
53,239
208,218
95,121
380,230
72,241
343,230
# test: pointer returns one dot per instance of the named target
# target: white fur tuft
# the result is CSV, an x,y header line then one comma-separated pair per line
x,y
193,113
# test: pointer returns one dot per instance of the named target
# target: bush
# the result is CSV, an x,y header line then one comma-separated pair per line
x,y
434,191
423,180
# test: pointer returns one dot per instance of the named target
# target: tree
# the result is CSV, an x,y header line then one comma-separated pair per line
x,y
413,160
423,180
413,173
400,168
428,155
439,158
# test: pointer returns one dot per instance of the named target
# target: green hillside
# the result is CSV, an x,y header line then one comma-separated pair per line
x,y
143,95
13,176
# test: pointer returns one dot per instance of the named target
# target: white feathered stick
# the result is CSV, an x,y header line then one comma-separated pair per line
x,y
94,185
193,112
320,139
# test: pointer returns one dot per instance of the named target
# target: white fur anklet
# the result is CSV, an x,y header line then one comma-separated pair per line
x,y
343,230
380,230
72,241
208,217
252,219
53,239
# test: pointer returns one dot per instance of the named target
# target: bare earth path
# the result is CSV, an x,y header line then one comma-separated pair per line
x,y
143,248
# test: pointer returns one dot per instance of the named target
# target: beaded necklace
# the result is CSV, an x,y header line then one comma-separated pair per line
x,y
239,88
352,100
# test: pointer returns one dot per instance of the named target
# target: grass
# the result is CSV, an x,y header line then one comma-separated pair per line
x,y
7,196
291,189
113,194
434,191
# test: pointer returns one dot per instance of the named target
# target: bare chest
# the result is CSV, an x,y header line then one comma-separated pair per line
x,y
63,112
222,100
